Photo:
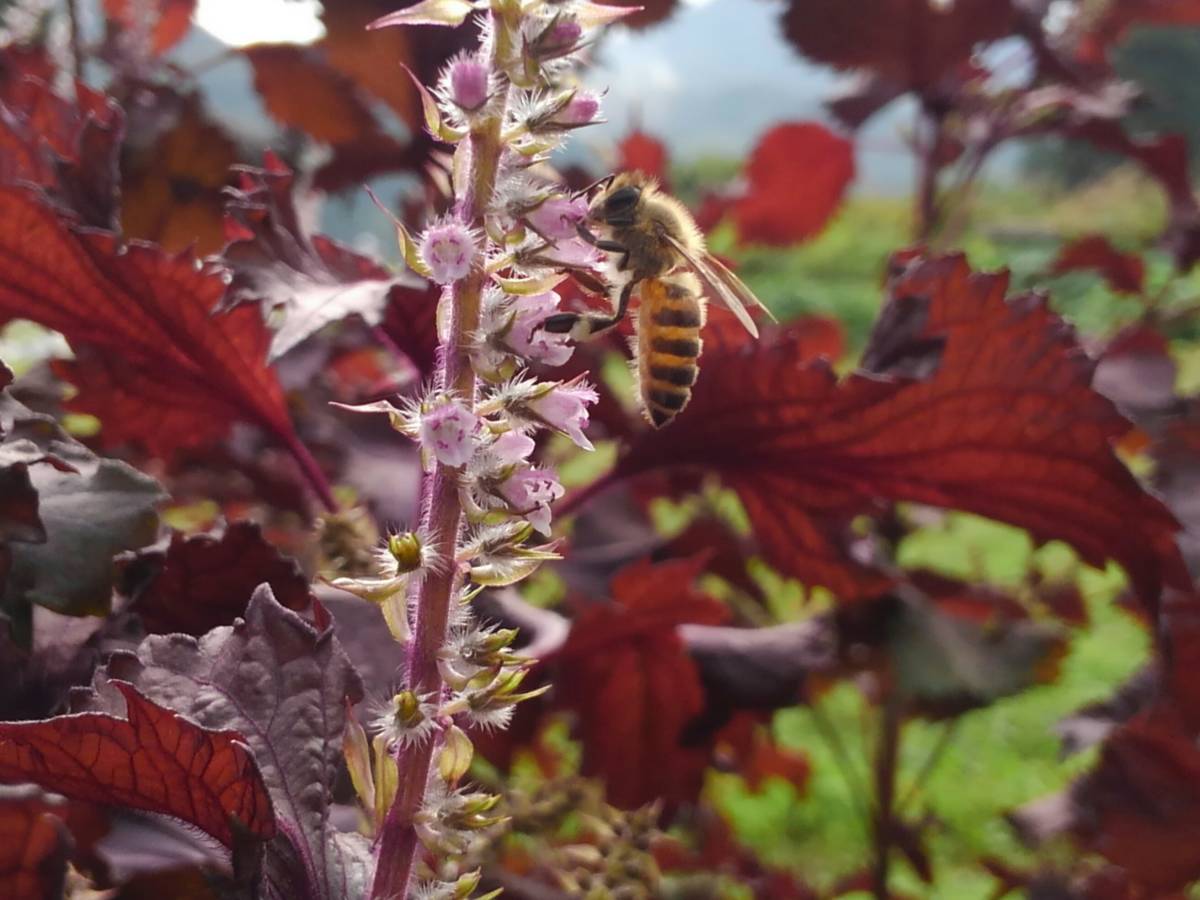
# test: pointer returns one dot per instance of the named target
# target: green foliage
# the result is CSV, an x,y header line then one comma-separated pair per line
x,y
996,758
1162,62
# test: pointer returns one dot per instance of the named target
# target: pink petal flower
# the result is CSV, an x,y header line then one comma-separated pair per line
x,y
576,253
468,83
512,447
565,409
530,492
448,431
558,217
529,340
448,248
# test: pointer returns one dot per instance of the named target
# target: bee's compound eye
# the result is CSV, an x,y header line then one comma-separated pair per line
x,y
622,200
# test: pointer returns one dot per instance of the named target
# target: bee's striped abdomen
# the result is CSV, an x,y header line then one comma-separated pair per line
x,y
669,322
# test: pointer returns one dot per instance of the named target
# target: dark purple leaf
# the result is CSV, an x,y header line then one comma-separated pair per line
x,y
282,682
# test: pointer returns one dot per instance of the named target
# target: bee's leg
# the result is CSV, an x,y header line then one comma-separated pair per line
x,y
606,246
582,326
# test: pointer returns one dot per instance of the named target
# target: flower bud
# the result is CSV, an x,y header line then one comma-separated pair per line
x,y
406,549
563,35
468,79
559,38
408,710
455,756
580,110
448,251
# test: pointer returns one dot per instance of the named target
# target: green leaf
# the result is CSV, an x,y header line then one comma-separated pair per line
x,y
80,511
91,515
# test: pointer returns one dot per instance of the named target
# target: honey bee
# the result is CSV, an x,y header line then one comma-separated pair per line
x,y
656,249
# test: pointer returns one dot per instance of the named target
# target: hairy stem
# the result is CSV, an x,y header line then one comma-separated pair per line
x,y
442,519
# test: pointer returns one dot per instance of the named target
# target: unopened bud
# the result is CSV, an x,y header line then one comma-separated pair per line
x,y
406,548
563,34
557,39
469,83
581,109
408,709
456,755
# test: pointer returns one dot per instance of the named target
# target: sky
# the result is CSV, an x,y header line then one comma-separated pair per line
x,y
711,79
274,20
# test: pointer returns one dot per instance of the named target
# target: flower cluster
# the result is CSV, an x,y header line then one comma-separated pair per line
x,y
511,236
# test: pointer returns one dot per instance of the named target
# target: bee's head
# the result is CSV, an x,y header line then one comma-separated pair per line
x,y
616,205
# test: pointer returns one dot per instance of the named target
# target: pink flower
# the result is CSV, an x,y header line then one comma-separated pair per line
x,y
574,253
529,340
468,81
580,110
565,409
530,492
448,248
557,218
512,447
448,431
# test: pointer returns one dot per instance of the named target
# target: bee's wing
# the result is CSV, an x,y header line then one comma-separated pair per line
x,y
739,287
720,283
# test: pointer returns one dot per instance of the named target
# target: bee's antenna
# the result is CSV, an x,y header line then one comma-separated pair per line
x,y
591,187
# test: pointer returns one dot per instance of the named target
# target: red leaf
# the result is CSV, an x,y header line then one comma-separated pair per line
x,y
200,582
171,191
639,151
67,149
313,280
1124,272
173,18
798,175
153,760
154,363
410,323
1005,425
634,687
769,760
19,62
34,845
912,42
371,58
284,683
301,91
1140,806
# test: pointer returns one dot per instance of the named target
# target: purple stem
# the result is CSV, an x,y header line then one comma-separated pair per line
x,y
396,849
311,470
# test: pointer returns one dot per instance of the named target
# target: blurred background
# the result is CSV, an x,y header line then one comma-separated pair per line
x,y
973,136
